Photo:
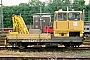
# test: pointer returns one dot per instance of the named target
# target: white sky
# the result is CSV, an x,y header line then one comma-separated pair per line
x,y
17,2
13,2
87,2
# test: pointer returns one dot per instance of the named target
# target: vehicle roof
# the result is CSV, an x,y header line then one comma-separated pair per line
x,y
67,11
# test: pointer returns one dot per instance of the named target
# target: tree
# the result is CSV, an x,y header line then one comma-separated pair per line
x,y
28,9
78,5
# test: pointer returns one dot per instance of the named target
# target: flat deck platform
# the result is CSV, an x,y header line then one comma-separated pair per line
x,y
56,39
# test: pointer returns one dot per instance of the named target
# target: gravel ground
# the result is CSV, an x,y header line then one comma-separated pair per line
x,y
68,53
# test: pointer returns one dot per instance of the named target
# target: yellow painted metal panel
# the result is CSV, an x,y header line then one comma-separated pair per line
x,y
13,32
45,36
76,25
62,25
28,36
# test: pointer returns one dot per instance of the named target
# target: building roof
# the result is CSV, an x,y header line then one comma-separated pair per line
x,y
42,14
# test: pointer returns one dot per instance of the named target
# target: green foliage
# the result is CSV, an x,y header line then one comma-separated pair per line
x,y
26,10
79,5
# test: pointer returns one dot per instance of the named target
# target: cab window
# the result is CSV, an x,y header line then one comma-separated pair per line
x,y
61,16
74,16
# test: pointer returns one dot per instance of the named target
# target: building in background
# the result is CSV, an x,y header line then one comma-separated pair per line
x,y
41,19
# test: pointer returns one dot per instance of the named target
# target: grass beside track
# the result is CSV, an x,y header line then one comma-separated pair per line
x,y
66,53
42,58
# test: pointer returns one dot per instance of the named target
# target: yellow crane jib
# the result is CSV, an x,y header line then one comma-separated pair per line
x,y
19,27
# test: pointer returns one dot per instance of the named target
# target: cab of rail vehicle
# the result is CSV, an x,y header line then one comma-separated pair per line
x,y
68,23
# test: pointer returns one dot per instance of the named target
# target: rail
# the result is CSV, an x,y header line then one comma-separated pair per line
x,y
37,58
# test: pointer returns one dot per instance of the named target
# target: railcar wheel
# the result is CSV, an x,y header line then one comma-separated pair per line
x,y
47,44
12,44
68,45
51,44
22,45
72,45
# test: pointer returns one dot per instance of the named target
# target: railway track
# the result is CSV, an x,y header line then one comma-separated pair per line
x,y
45,54
44,49
41,58
87,41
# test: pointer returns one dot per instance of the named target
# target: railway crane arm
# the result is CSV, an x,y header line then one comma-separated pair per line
x,y
19,25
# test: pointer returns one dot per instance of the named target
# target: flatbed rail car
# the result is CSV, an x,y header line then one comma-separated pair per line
x,y
36,39
68,31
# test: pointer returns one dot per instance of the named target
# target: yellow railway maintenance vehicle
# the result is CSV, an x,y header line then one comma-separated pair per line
x,y
69,25
68,31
